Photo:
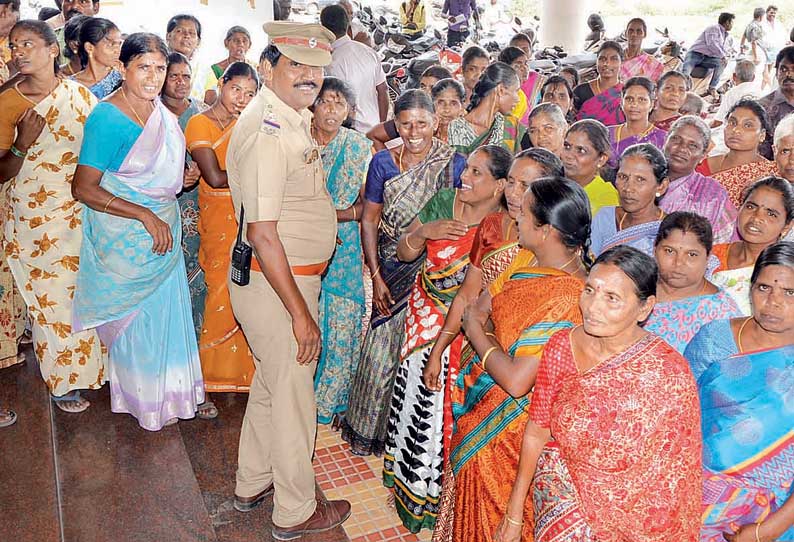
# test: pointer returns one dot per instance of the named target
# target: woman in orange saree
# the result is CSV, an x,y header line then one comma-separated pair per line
x,y
226,361
494,249
535,297
613,440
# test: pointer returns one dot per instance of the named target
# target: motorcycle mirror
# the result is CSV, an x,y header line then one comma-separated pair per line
x,y
517,21
368,10
437,34
382,20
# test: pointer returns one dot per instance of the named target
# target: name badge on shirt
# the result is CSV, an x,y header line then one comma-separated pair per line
x,y
311,155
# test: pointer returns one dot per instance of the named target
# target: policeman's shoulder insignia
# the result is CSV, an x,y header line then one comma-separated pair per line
x,y
269,124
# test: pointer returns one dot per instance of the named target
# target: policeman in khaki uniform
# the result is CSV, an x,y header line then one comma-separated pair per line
x,y
276,174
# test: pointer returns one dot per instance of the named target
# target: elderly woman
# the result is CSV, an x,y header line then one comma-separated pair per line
x,y
765,217
671,93
226,361
237,43
488,120
346,155
784,148
442,234
493,390
601,99
175,96
99,46
613,440
183,34
41,130
746,128
638,97
638,63
132,285
689,190
400,182
744,370
685,299
584,152
641,181
547,127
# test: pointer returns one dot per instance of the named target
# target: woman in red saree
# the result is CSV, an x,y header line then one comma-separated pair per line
x,y
601,99
494,249
670,96
613,440
442,234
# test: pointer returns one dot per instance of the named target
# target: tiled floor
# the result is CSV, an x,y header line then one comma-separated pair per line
x,y
342,475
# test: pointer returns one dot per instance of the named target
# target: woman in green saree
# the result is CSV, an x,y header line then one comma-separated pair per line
x,y
488,121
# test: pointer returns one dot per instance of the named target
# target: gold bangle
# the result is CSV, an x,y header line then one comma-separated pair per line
x,y
488,353
354,212
489,334
105,210
758,531
514,522
376,273
445,332
409,244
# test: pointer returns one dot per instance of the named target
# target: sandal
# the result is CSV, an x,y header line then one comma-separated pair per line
x,y
207,411
26,338
72,402
7,417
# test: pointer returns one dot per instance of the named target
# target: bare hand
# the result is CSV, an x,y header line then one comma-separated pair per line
x,y
162,240
474,316
747,534
29,127
450,230
307,334
381,296
507,532
192,175
431,374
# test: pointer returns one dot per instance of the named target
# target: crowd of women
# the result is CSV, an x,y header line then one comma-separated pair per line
x,y
539,285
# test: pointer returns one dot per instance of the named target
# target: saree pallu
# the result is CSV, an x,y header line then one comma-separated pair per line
x,y
736,179
489,424
734,281
642,65
139,301
747,403
342,299
189,211
12,306
654,135
628,432
227,364
404,196
504,132
43,234
677,322
604,107
413,461
605,234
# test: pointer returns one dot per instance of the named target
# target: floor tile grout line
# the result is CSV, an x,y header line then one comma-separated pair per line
x,y
56,470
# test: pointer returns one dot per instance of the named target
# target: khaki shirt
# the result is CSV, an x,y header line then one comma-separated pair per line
x,y
276,171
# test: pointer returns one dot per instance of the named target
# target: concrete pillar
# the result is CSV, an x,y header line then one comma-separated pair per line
x,y
563,23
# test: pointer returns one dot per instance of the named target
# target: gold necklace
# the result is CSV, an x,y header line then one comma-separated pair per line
x,y
625,214
643,134
739,335
214,114
598,84
124,95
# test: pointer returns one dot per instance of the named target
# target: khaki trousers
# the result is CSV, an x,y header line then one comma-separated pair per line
x,y
280,423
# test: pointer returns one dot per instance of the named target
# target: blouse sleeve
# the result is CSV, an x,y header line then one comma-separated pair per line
x,y
555,365
381,169
197,133
107,138
458,165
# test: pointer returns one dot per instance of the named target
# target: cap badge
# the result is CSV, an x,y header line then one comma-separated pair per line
x,y
312,42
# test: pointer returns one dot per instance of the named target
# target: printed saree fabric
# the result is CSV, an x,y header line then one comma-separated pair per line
x,y
604,106
734,281
43,233
342,300
628,432
736,179
527,310
605,233
506,131
643,65
413,461
138,300
747,402
226,361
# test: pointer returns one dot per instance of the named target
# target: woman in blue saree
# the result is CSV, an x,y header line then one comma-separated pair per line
x,y
132,285
346,155
641,181
745,373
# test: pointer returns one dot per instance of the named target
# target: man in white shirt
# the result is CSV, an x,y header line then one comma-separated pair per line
x,y
359,66
774,33
744,86
357,31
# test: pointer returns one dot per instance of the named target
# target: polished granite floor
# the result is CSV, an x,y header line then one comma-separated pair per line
x,y
97,477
